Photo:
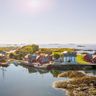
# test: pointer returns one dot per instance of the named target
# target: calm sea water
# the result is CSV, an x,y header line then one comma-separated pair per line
x,y
20,81
70,45
84,46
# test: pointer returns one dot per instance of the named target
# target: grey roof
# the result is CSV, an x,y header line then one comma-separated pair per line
x,y
69,54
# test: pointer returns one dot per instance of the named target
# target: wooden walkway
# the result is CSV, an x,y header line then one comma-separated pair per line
x,y
73,66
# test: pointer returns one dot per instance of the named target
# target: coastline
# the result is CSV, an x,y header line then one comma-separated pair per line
x,y
76,86
53,85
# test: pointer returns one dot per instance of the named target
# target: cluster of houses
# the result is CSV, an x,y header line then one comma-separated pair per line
x,y
90,57
38,58
66,58
46,58
43,58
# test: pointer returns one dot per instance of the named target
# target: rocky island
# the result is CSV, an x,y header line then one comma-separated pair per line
x,y
79,84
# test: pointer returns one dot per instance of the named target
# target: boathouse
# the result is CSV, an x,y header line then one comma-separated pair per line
x,y
69,57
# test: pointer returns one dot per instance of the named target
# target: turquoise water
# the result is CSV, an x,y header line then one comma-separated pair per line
x,y
20,81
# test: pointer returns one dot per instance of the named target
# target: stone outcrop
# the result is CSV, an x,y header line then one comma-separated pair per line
x,y
79,84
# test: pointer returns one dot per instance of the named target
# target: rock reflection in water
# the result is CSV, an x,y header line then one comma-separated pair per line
x,y
42,71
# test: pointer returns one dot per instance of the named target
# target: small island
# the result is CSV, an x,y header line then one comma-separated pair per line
x,y
78,84
57,61
33,55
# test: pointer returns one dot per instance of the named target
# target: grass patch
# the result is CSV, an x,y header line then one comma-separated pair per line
x,y
80,60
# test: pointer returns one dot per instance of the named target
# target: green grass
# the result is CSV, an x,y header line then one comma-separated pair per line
x,y
80,60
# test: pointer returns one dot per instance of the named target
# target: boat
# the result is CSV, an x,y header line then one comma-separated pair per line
x,y
6,64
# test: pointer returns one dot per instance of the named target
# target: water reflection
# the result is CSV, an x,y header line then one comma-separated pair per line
x,y
28,81
55,72
31,70
42,71
3,72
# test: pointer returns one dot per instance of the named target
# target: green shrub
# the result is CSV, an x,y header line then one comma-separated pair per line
x,y
56,55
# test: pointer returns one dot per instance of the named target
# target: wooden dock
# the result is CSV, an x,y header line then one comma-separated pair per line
x,y
72,66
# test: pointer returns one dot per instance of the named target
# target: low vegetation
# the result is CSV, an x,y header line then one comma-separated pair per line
x,y
56,50
7,48
80,84
71,74
80,60
23,51
55,72
56,55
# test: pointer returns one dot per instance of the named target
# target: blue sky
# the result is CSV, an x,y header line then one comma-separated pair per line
x,y
47,21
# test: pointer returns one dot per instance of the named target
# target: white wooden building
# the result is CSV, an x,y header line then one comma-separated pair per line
x,y
69,57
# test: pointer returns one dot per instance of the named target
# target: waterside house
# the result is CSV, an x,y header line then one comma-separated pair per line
x,y
66,58
94,58
44,58
87,57
3,57
41,58
69,57
91,58
31,58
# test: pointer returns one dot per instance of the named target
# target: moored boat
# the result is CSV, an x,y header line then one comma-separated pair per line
x,y
6,64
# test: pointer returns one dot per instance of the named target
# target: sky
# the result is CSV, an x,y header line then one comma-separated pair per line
x,y
48,21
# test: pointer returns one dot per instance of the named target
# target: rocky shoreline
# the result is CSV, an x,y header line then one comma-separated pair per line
x,y
79,84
